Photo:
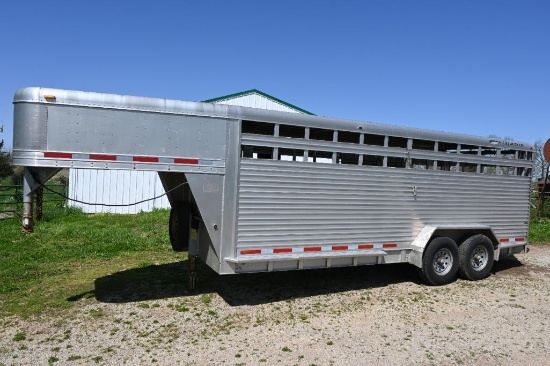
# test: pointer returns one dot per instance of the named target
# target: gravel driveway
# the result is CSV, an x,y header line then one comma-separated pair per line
x,y
348,316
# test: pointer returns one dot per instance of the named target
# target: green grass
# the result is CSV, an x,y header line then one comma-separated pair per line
x,y
539,230
69,251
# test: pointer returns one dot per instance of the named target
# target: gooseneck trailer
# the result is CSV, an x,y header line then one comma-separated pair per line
x,y
254,190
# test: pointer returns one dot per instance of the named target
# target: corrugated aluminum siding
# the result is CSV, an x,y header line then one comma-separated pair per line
x,y
116,187
299,204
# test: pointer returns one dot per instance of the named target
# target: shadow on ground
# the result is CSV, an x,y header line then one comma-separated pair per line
x,y
509,265
170,281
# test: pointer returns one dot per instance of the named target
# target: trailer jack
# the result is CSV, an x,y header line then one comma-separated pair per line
x,y
193,251
33,179
192,271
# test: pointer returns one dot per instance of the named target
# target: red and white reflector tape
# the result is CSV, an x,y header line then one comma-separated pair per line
x,y
145,159
58,155
330,248
102,157
512,240
120,158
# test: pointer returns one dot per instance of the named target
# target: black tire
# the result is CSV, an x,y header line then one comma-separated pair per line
x,y
476,256
440,261
421,275
178,227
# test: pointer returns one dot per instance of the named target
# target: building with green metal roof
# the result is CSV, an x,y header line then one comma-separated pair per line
x,y
255,98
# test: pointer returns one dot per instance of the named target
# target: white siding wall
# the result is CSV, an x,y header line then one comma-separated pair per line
x,y
257,101
115,187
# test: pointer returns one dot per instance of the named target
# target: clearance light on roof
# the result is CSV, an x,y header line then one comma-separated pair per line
x,y
49,97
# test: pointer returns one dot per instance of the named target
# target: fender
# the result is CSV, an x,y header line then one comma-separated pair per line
x,y
455,232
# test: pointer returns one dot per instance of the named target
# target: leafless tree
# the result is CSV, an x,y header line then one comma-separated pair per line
x,y
6,168
540,166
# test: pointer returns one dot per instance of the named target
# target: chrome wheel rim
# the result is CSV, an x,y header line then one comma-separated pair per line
x,y
479,258
443,261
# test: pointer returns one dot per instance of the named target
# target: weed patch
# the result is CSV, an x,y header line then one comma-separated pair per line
x,y
539,230
20,337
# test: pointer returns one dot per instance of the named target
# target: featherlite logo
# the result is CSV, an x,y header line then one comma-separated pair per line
x,y
506,143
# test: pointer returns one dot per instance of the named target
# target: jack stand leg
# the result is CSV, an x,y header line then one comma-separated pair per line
x,y
192,270
28,197
193,252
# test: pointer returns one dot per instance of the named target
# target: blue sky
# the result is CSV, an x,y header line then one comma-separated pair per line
x,y
476,67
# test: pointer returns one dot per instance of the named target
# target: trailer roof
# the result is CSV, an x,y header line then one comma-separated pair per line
x,y
116,101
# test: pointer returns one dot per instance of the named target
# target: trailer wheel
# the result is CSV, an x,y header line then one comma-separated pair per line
x,y
440,261
476,256
178,227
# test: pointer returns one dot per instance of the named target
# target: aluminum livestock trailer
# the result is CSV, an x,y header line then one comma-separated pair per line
x,y
254,190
